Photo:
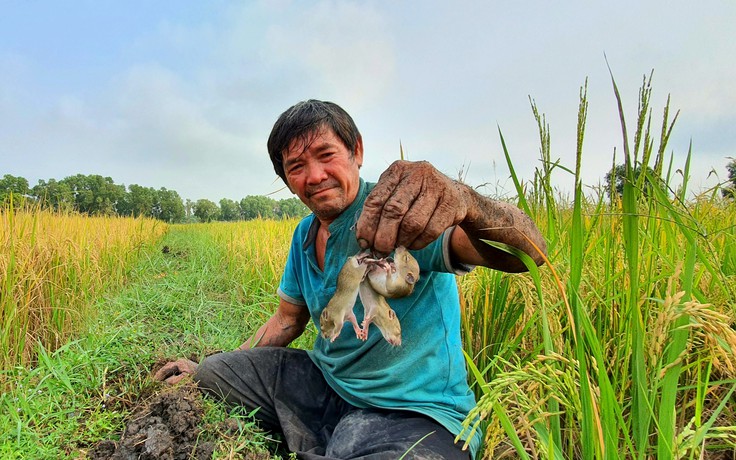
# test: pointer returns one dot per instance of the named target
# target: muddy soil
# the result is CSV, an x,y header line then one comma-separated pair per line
x,y
165,427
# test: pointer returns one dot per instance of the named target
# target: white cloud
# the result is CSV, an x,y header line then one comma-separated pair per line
x,y
344,49
191,102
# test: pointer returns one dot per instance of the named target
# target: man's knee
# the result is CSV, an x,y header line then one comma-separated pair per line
x,y
239,379
235,375
209,372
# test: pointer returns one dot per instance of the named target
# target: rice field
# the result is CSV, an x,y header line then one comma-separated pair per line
x,y
583,366
52,265
623,345
568,361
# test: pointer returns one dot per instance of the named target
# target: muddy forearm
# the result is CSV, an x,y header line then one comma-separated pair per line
x,y
492,220
278,331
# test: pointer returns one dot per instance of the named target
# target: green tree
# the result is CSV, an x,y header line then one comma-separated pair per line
x,y
160,204
292,207
229,210
138,201
206,210
169,206
53,194
188,206
619,176
255,206
14,186
94,194
729,191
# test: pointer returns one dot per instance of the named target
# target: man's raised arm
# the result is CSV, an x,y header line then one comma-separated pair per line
x,y
413,204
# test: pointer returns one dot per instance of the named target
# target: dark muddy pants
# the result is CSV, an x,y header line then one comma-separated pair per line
x,y
294,399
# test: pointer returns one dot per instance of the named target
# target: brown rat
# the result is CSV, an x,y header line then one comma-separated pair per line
x,y
340,307
374,279
395,279
378,312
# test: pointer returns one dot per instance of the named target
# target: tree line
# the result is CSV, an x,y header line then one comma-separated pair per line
x,y
98,195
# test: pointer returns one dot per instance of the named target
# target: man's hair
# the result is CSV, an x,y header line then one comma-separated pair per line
x,y
302,120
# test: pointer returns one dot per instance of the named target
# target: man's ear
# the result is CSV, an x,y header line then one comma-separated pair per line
x,y
359,151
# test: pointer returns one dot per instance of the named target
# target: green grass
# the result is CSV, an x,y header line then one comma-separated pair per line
x,y
52,265
184,303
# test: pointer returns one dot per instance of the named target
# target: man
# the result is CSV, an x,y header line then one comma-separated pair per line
x,y
366,399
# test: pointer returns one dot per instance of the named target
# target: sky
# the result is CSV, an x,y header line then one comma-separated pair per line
x,y
183,94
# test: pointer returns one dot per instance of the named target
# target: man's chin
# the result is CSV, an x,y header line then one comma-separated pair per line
x,y
327,210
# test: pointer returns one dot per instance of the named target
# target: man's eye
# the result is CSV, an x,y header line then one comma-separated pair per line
x,y
294,168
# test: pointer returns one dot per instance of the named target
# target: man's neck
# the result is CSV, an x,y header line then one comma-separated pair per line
x,y
320,244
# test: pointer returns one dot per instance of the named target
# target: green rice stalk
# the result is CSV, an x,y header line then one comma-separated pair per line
x,y
640,404
590,422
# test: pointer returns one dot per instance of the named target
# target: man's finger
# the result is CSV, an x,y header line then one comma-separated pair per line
x,y
174,379
450,209
166,371
442,218
365,229
416,219
394,210
180,366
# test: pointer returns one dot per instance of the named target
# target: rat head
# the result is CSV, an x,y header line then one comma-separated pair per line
x,y
330,327
406,265
394,277
391,328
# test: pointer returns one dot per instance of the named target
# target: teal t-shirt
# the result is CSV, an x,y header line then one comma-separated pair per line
x,y
427,373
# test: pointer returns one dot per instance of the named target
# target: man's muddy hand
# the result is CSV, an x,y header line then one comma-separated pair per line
x,y
410,206
175,371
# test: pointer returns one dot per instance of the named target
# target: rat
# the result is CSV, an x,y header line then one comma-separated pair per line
x,y
375,280
378,312
340,307
394,278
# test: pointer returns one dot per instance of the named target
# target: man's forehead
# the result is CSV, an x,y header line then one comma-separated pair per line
x,y
302,143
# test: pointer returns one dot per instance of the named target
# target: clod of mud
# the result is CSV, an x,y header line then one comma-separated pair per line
x,y
171,252
166,427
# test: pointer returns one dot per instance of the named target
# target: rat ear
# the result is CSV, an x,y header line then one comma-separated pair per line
x,y
410,278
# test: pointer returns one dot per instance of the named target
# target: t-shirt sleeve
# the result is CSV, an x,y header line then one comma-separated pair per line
x,y
436,256
290,289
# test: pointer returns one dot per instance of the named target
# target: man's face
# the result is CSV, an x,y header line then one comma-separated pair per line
x,y
322,173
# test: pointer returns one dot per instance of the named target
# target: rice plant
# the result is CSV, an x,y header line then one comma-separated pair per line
x,y
51,267
626,345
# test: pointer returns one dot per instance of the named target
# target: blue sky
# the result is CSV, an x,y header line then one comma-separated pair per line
x,y
183,94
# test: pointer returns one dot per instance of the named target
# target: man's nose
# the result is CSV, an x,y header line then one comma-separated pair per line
x,y
315,173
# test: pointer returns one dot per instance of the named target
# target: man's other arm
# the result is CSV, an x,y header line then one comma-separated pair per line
x,y
282,328
285,325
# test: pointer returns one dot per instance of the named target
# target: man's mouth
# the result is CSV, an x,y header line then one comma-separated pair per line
x,y
311,193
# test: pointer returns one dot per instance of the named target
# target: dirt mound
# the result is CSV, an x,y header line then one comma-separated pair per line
x,y
166,427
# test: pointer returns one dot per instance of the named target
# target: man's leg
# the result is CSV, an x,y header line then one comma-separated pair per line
x,y
377,434
286,386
